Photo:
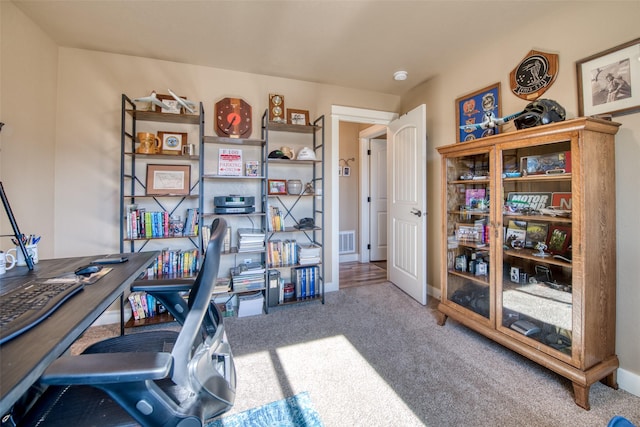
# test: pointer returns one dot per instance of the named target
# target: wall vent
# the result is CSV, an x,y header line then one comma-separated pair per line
x,y
347,242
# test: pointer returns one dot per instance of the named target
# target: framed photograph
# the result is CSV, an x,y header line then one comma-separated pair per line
x,y
559,239
277,186
297,117
472,109
536,232
606,80
164,180
169,101
346,171
172,142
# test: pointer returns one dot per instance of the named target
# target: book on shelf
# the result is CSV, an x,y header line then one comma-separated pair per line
x,y
282,252
144,305
250,239
174,263
252,168
516,230
306,281
222,286
276,219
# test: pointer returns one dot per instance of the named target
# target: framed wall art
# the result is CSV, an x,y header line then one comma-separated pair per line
x,y
609,81
172,142
297,117
163,180
472,109
277,186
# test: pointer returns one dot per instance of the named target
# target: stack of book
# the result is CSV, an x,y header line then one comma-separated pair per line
x,y
248,282
250,240
308,254
248,277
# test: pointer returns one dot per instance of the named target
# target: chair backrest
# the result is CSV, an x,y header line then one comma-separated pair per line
x,y
202,357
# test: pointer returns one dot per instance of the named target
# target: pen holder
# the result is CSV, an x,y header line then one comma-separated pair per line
x,y
32,250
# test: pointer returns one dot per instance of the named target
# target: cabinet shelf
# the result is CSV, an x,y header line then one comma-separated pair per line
x,y
483,280
154,320
529,254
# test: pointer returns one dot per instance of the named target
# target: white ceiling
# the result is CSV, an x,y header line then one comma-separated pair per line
x,y
357,43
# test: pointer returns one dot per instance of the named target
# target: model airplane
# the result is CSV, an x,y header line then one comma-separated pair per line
x,y
153,98
490,121
187,105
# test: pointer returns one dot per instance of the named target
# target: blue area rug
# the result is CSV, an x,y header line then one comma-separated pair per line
x,y
294,411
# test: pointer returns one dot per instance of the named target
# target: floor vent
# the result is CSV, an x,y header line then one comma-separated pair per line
x,y
347,242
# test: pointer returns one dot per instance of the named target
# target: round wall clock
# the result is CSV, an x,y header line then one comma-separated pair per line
x,y
233,118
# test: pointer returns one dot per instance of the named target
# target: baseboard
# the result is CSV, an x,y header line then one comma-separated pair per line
x,y
629,381
349,258
111,317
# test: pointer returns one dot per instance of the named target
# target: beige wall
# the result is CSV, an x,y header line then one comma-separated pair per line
x,y
28,88
349,185
581,32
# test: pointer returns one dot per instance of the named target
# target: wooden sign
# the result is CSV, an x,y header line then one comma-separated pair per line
x,y
534,75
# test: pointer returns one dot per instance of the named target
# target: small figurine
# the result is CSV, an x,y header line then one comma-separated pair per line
x,y
153,99
490,121
541,247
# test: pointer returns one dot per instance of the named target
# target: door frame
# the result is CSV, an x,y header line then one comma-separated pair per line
x,y
365,138
346,114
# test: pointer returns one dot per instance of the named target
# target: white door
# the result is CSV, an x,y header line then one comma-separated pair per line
x,y
378,194
407,186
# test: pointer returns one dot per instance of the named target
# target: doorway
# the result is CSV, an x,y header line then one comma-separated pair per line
x,y
355,115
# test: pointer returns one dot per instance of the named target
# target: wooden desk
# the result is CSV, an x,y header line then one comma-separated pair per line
x,y
24,358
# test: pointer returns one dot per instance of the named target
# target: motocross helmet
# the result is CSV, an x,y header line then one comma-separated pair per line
x,y
540,112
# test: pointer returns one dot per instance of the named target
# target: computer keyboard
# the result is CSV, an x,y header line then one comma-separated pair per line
x,y
24,307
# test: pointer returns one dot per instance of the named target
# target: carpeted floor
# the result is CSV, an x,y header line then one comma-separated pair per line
x,y
373,356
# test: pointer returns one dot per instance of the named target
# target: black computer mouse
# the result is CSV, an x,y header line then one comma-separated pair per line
x,y
88,270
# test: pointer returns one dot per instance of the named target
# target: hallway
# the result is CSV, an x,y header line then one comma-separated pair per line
x,y
358,274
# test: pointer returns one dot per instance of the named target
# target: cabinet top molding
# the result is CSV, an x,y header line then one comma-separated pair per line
x,y
577,124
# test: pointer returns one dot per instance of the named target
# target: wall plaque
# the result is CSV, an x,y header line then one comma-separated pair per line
x,y
534,75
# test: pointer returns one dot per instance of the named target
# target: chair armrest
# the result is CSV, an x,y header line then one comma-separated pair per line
x,y
162,285
106,368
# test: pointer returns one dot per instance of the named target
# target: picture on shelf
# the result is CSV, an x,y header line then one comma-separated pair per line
x,y
475,198
536,232
297,117
516,230
168,180
277,186
559,239
169,101
251,168
172,142
230,162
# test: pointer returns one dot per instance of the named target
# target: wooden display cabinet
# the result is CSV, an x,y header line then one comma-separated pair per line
x,y
530,243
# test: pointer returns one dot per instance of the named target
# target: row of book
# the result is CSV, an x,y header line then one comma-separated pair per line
x,y
282,253
307,283
248,282
174,263
276,219
143,224
144,305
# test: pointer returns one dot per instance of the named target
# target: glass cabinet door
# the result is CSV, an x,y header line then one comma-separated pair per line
x,y
467,217
534,289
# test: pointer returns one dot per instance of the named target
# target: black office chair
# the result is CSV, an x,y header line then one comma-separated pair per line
x,y
154,378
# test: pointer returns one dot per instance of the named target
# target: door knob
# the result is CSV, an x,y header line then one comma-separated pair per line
x,y
416,212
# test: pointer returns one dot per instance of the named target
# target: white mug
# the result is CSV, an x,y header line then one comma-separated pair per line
x,y
32,250
6,259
